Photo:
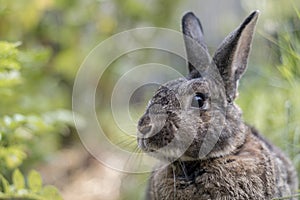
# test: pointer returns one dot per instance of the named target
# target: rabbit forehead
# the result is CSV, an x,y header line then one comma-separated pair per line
x,y
183,86
194,86
176,94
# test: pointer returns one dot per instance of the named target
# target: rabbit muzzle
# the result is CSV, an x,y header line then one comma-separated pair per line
x,y
155,131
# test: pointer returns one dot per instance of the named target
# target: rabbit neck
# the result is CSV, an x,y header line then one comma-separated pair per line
x,y
188,170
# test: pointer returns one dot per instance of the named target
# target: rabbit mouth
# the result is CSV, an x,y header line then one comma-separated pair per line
x,y
158,140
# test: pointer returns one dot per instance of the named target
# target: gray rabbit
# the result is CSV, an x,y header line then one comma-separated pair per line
x,y
194,127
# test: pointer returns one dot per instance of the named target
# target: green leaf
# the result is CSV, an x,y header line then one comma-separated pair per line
x,y
34,181
5,185
18,180
8,50
14,156
10,78
9,64
51,193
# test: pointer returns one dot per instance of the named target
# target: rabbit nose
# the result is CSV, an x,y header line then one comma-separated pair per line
x,y
144,126
144,121
145,129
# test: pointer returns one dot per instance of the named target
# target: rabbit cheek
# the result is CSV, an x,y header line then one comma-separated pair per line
x,y
200,123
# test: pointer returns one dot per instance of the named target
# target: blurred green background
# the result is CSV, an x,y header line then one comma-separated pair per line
x,y
44,43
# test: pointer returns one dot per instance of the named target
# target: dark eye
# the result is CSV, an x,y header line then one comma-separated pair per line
x,y
198,100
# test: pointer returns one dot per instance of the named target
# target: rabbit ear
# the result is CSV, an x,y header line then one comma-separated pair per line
x,y
196,49
231,56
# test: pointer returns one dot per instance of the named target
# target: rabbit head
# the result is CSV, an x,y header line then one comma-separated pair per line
x,y
195,117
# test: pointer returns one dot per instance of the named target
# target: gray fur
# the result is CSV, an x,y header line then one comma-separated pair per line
x,y
231,57
196,48
214,154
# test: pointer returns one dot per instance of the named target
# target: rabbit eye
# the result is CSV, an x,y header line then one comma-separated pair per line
x,y
198,100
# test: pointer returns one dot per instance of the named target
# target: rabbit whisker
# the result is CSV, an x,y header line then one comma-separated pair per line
x,y
174,181
183,168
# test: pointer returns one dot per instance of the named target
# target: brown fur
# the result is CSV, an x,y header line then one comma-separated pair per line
x,y
249,173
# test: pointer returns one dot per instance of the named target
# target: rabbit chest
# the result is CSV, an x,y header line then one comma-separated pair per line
x,y
249,173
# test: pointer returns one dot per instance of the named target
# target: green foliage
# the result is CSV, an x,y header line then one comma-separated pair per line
x,y
289,45
9,65
28,128
21,126
19,133
31,188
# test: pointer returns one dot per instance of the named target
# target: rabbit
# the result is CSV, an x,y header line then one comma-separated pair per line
x,y
195,129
